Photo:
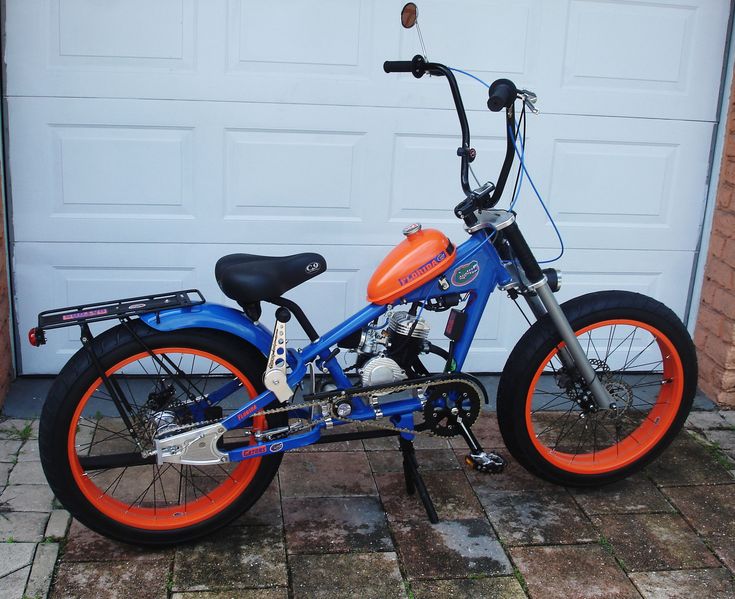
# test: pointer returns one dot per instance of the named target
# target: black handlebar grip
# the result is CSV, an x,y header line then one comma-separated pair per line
x,y
417,66
502,94
398,66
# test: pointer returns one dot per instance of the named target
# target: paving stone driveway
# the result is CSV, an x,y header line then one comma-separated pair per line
x,y
347,529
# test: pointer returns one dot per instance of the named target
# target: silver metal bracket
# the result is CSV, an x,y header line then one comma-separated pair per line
x,y
375,405
197,447
281,431
275,379
492,219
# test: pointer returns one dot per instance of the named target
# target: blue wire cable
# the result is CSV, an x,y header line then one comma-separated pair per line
x,y
540,199
470,75
520,180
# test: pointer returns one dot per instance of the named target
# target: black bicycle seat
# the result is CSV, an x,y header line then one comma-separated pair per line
x,y
247,278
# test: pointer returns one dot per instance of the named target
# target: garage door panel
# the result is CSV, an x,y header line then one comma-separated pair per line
x,y
598,56
612,166
113,170
131,33
342,170
307,35
582,56
327,185
654,59
621,183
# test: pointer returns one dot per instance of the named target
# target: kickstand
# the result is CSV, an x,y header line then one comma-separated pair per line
x,y
414,482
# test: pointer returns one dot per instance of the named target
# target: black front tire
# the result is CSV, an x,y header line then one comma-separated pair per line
x,y
542,414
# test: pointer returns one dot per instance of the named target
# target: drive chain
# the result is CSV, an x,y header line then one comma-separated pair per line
x,y
345,394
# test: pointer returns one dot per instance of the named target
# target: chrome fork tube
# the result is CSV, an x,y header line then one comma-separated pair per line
x,y
538,283
539,311
582,363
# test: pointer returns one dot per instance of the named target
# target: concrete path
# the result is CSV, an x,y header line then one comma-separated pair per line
x,y
337,524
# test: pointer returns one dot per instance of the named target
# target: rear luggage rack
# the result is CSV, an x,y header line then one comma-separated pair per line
x,y
120,309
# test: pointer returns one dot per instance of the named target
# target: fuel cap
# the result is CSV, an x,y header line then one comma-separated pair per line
x,y
411,229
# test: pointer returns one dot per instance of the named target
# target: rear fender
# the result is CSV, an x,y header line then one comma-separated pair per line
x,y
212,316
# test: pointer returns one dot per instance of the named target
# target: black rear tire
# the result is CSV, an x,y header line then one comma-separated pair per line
x,y
539,413
79,419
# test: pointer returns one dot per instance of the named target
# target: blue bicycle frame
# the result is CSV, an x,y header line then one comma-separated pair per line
x,y
477,256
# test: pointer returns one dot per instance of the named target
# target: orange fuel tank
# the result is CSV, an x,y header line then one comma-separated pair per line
x,y
417,259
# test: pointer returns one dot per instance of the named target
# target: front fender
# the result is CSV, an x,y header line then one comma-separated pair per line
x,y
212,316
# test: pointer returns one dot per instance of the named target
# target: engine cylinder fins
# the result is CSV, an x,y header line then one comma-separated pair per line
x,y
401,323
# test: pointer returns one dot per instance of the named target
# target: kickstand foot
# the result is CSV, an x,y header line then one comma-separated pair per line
x,y
414,481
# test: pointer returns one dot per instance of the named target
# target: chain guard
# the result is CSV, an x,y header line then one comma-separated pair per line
x,y
447,404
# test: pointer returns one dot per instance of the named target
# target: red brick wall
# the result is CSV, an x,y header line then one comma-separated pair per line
x,y
715,332
5,358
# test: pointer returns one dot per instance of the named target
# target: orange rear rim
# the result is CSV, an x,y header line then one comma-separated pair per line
x,y
647,384
206,491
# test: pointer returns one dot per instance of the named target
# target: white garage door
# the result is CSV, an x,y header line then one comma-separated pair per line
x,y
147,139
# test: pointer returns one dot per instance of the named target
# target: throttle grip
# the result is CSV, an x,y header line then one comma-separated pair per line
x,y
502,94
398,66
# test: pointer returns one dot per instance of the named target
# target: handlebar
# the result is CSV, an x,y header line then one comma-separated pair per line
x,y
502,94
419,66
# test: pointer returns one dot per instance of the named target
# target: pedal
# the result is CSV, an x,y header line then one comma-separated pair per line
x,y
490,463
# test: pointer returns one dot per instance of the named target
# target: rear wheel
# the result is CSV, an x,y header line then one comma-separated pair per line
x,y
99,469
644,357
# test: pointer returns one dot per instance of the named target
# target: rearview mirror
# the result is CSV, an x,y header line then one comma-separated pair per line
x,y
409,14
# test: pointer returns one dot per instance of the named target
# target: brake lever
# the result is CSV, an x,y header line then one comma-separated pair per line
x,y
529,99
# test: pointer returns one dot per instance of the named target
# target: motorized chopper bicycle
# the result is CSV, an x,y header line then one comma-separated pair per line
x,y
172,423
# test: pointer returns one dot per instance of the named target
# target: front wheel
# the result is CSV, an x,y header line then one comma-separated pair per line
x,y
646,360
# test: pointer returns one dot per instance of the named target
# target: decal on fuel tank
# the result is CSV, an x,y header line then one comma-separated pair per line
x,y
430,265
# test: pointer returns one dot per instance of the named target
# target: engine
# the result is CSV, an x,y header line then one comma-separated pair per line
x,y
391,353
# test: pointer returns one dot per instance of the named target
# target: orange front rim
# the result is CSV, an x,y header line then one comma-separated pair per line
x,y
153,509
568,439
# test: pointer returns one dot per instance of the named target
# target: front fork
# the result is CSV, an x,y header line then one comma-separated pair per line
x,y
544,302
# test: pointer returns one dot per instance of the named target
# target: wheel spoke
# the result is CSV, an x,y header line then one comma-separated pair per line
x,y
136,490
629,358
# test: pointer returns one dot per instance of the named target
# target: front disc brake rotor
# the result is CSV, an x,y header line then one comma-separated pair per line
x,y
447,403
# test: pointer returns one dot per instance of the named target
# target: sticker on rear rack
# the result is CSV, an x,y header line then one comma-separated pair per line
x,y
87,314
465,273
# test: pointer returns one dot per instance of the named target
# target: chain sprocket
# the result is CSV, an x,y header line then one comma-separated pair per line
x,y
447,404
